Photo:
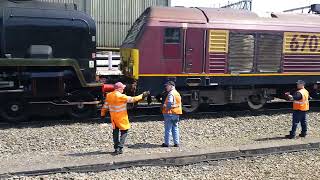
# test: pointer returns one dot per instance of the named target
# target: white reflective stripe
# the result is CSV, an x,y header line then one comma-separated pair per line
x,y
105,107
172,106
122,109
121,106
118,110
130,100
300,102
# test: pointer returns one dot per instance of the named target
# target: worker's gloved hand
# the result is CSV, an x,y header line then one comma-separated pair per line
x,y
288,96
145,94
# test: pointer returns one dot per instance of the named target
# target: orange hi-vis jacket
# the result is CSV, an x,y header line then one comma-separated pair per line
x,y
176,107
303,104
116,104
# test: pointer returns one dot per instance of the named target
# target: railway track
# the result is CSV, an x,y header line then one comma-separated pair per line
x,y
142,114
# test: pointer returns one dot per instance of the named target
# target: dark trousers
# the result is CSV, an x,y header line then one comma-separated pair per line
x,y
299,116
119,140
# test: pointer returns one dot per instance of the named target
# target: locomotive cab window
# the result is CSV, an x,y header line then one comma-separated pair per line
x,y
172,43
172,35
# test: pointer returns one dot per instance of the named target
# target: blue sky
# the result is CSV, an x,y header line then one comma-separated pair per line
x,y
259,6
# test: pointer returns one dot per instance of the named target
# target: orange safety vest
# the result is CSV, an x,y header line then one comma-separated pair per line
x,y
116,104
176,107
302,104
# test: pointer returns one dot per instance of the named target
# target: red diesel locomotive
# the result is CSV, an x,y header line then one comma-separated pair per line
x,y
220,56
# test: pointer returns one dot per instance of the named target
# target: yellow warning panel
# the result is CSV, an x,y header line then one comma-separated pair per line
x,y
218,40
301,43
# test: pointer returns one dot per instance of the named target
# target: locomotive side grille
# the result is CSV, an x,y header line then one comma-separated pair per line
x,y
218,41
241,52
218,49
269,52
301,63
217,63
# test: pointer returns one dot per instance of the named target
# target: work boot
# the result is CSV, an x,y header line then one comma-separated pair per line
x,y
116,151
165,145
302,135
120,151
176,145
290,136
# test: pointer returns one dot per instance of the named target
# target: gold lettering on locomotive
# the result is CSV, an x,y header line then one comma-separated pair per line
x,y
302,43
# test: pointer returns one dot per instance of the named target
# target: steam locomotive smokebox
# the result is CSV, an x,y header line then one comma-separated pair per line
x,y
49,84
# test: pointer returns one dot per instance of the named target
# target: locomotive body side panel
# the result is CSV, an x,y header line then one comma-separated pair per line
x,y
301,52
233,57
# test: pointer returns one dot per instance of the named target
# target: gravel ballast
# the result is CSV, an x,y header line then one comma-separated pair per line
x,y
302,165
146,137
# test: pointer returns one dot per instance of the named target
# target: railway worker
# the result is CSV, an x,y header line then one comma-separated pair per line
x,y
315,93
116,104
300,108
171,110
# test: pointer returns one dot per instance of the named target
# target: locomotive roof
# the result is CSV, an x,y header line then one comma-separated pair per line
x,y
177,13
211,15
54,11
36,4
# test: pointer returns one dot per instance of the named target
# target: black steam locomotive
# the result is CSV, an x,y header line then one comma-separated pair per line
x,y
47,63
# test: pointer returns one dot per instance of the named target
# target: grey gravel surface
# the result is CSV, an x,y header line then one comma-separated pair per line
x,y
145,137
302,165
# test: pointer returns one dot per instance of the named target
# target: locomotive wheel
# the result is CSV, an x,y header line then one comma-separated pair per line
x,y
256,102
14,111
81,111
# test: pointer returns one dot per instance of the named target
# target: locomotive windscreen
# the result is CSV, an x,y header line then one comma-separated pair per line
x,y
136,28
